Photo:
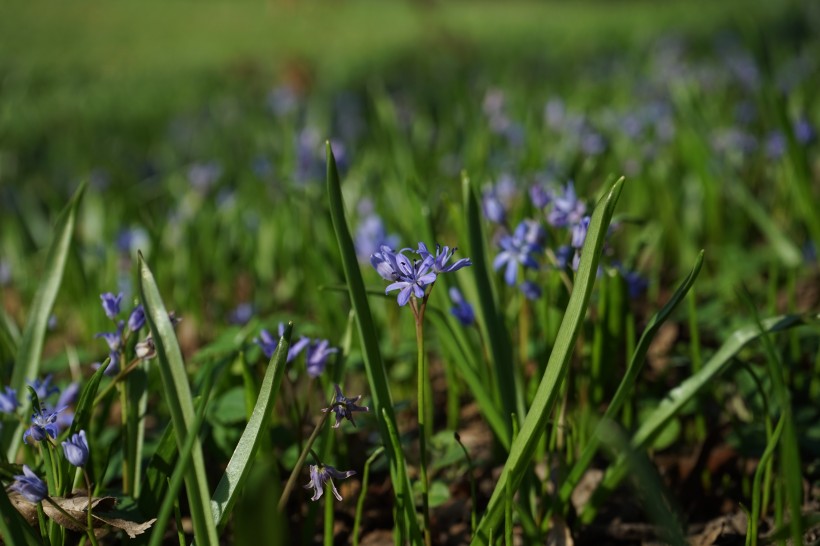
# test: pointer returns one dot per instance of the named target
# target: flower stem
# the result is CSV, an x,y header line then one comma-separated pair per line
x,y
283,501
418,311
91,536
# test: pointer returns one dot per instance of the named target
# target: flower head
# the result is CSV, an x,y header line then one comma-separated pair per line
x,y
317,355
515,249
8,400
31,487
579,232
43,424
111,304
530,290
43,387
443,255
567,209
344,407
414,276
75,449
268,343
462,310
136,319
319,474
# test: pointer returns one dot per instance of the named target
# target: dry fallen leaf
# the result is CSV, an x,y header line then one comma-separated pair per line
x,y
559,534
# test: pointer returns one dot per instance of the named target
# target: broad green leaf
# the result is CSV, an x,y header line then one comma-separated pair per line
x,y
373,364
178,397
535,423
239,466
27,363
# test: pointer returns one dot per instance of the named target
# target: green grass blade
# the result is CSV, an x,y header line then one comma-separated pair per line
x,y
14,529
373,364
627,383
178,475
178,397
27,362
677,398
488,314
357,521
239,466
159,470
535,423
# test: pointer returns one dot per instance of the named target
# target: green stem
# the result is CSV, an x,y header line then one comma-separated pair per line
x,y
418,311
126,455
283,501
360,503
328,515
473,494
91,536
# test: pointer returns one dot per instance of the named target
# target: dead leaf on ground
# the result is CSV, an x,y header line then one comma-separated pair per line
x,y
559,534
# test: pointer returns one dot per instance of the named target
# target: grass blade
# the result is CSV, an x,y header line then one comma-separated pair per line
x,y
27,362
625,388
239,466
535,423
178,397
373,364
677,398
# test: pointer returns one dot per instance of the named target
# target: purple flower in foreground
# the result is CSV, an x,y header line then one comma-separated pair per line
x,y
443,255
413,278
462,310
344,407
137,318
75,449
567,209
319,474
111,304
31,487
385,264
516,250
43,387
268,343
8,400
113,339
43,424
317,355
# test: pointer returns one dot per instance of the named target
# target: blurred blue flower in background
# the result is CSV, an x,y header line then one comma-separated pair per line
x,y
111,304
317,355
8,400
567,209
462,310
516,250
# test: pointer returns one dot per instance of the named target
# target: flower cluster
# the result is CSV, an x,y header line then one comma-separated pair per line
x,y
317,354
116,340
411,276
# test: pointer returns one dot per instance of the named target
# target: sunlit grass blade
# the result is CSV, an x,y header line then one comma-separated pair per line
x,y
178,397
373,364
177,477
677,398
27,362
535,423
489,316
239,466
646,481
627,383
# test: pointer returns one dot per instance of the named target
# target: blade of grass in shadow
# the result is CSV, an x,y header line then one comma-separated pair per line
x,y
627,383
488,314
239,466
535,423
677,398
373,364
645,481
179,472
27,362
178,397
158,472
13,528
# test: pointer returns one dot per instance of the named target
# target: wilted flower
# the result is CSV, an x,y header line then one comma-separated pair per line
x,y
319,474
137,318
43,424
516,250
344,407
32,488
462,310
111,304
317,355
146,349
75,449
8,400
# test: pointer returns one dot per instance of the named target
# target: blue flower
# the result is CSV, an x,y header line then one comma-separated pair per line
x,y
567,209
563,256
540,195
137,318
43,424
371,235
111,304
413,278
75,449
636,284
579,232
241,314
344,407
43,387
530,290
8,400
317,355
114,341
268,343
462,310
32,488
319,474
443,255
492,206
385,264
516,250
